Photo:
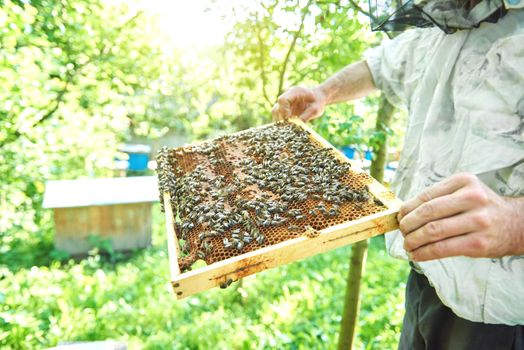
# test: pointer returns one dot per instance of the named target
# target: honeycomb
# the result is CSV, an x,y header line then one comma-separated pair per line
x,y
257,188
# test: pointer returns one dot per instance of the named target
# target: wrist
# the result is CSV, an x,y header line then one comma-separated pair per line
x,y
515,222
323,95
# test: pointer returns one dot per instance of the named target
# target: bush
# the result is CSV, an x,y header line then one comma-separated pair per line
x,y
296,306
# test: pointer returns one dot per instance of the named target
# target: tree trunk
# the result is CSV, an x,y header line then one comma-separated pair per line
x,y
359,250
351,301
384,116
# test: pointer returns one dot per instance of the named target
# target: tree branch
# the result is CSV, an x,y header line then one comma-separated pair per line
x,y
290,50
262,66
360,9
103,50
303,73
368,14
58,100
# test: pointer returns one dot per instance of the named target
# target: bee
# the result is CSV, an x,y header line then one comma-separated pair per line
x,y
223,193
227,243
239,245
295,212
186,248
332,212
311,232
208,247
378,202
226,284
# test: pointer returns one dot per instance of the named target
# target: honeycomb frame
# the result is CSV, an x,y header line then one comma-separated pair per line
x,y
299,246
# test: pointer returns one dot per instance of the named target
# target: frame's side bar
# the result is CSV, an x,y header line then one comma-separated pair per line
x,y
172,244
285,252
386,196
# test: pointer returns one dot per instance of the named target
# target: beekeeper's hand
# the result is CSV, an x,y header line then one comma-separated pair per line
x,y
462,216
352,82
300,102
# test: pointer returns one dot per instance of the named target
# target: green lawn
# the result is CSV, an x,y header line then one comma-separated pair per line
x,y
296,306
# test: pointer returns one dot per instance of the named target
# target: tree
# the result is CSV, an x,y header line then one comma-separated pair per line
x,y
307,49
276,45
69,73
359,250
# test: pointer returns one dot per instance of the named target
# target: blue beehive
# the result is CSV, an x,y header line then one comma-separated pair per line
x,y
349,151
138,156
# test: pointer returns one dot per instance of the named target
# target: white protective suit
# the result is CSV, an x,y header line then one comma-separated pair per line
x,y
465,97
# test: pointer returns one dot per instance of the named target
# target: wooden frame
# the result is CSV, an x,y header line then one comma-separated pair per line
x,y
218,273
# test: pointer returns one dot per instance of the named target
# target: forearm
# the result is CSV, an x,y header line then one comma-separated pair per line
x,y
352,82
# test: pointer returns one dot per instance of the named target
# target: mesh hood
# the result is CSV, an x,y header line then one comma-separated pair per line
x,y
448,15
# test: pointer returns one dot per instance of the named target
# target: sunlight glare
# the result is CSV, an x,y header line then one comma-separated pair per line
x,y
188,24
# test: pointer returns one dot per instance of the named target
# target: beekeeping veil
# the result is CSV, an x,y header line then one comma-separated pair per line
x,y
449,15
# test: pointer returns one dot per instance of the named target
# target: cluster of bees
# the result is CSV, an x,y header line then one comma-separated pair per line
x,y
233,202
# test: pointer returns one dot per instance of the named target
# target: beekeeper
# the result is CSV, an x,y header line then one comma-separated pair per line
x,y
461,173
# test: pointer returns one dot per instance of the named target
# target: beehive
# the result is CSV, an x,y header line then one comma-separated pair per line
x,y
261,198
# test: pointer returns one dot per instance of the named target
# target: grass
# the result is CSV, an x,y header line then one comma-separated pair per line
x,y
297,306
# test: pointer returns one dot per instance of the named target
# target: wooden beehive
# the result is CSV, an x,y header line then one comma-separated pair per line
x,y
355,223
116,209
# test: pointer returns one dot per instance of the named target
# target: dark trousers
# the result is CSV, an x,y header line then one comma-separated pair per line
x,y
430,325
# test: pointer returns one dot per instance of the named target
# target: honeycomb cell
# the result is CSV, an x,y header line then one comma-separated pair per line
x,y
277,166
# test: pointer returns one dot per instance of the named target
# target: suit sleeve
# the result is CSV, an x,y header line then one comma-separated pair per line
x,y
397,65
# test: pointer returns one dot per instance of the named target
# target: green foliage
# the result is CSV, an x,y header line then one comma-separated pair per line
x,y
103,247
342,131
65,68
296,306
277,44
80,77
303,42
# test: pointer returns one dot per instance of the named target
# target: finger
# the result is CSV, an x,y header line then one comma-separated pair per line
x,y
284,102
471,244
442,188
439,208
311,112
275,112
278,113
438,230
282,109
